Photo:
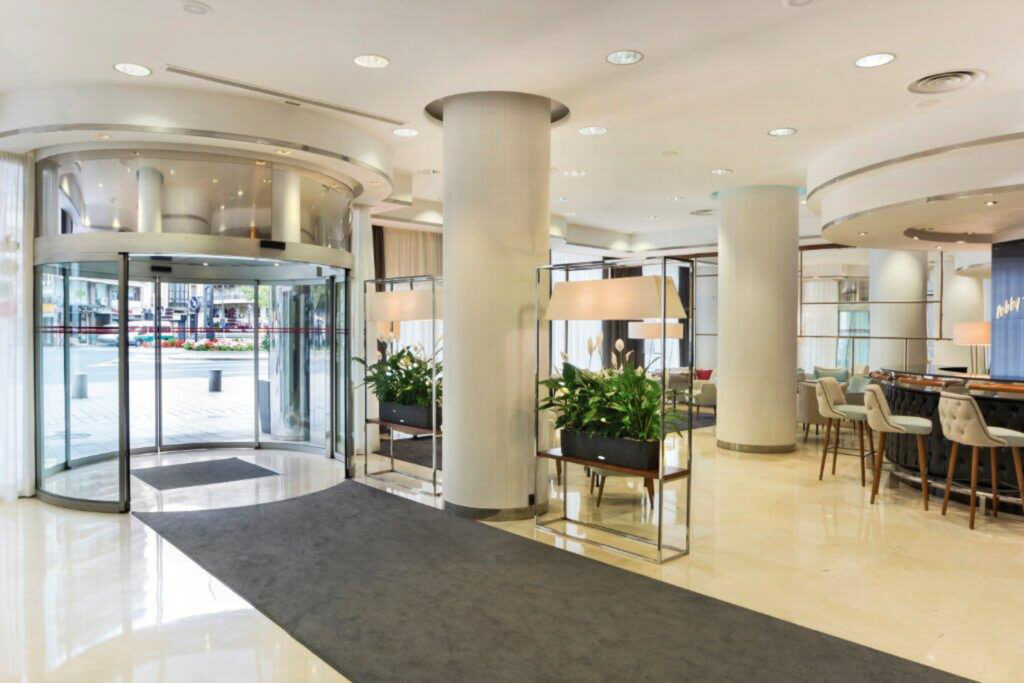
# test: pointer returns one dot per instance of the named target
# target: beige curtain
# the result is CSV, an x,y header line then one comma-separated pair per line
x,y
16,470
411,252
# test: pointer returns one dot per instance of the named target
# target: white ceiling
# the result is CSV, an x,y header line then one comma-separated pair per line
x,y
716,77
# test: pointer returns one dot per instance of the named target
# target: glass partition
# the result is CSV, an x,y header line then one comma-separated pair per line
x,y
164,191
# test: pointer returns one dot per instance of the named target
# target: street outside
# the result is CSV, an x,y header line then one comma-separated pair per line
x,y
191,413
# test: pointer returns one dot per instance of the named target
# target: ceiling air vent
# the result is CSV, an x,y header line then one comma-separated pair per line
x,y
703,212
947,81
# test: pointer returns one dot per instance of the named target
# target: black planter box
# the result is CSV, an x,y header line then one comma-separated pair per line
x,y
641,455
411,416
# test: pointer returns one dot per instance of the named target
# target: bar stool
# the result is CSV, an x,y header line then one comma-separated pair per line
x,y
833,407
963,423
881,419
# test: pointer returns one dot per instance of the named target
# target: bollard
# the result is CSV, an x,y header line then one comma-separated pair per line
x,y
79,385
214,382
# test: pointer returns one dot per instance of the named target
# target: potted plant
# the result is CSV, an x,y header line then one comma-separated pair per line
x,y
402,383
612,416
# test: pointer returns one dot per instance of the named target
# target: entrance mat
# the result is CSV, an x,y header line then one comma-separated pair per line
x,y
201,473
416,451
383,588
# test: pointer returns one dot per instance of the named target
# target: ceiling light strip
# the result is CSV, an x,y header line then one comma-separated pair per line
x,y
182,71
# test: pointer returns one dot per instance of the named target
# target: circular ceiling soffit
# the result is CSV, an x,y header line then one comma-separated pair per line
x,y
947,237
947,81
559,112
797,3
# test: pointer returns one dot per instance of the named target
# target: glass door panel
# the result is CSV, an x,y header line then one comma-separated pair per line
x,y
342,437
142,350
295,363
206,364
77,340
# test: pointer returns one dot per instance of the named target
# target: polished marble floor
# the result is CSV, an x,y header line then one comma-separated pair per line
x,y
87,597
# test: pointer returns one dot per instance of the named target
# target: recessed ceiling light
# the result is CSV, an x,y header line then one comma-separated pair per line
x,y
100,136
100,185
669,153
198,8
405,132
781,132
961,241
241,192
266,180
991,203
916,237
803,202
374,182
574,173
372,61
205,263
593,130
283,151
877,59
129,69
720,171
651,217
260,162
221,207
563,198
677,198
174,171
624,57
797,3
939,248
428,171
862,234
215,181
276,263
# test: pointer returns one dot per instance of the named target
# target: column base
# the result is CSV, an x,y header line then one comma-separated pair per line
x,y
752,448
494,514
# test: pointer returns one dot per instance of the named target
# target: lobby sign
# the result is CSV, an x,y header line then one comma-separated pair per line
x,y
1007,315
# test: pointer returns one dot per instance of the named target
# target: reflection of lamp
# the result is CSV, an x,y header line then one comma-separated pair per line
x,y
653,330
977,336
623,298
405,304
387,330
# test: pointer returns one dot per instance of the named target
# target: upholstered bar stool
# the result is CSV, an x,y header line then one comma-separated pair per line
x,y
881,419
833,407
963,423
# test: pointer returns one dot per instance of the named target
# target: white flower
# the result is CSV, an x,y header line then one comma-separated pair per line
x,y
619,345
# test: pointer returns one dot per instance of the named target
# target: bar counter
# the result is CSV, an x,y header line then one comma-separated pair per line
x,y
917,393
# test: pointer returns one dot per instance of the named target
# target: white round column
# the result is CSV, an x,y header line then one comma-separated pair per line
x,y
898,276
286,211
151,190
757,295
496,220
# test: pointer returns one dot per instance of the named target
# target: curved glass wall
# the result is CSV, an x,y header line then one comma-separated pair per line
x,y
139,354
184,192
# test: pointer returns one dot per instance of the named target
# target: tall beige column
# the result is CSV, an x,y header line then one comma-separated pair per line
x,y
286,211
151,191
496,219
757,291
897,276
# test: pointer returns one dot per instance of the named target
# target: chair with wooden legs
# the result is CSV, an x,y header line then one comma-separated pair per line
x,y
881,420
833,407
963,424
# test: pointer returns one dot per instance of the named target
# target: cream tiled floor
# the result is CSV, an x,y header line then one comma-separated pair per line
x,y
100,597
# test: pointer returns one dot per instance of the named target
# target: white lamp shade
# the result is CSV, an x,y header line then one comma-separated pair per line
x,y
406,304
622,298
972,334
653,330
